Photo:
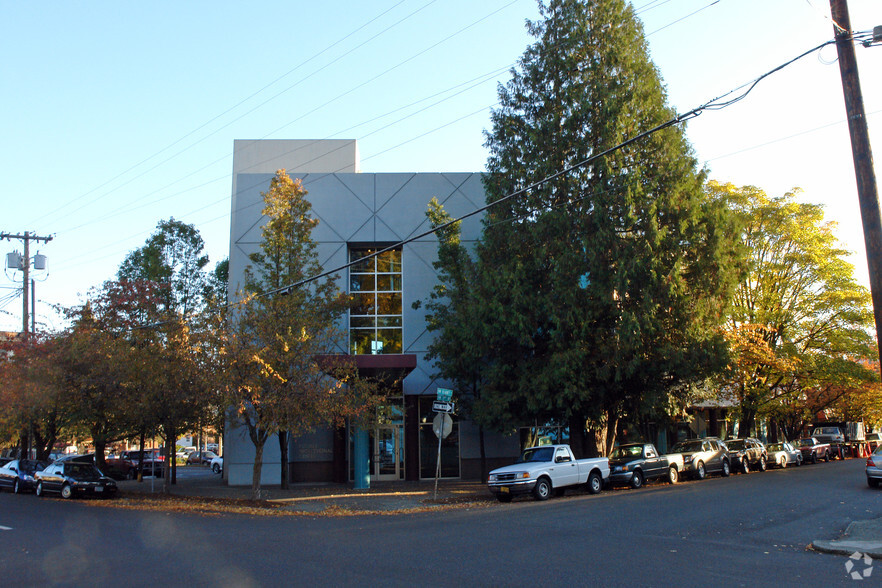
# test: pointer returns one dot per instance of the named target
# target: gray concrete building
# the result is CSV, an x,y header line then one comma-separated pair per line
x,y
360,213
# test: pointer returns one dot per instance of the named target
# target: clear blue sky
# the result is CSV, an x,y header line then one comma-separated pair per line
x,y
117,114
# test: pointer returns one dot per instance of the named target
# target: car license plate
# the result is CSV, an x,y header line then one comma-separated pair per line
x,y
99,489
503,489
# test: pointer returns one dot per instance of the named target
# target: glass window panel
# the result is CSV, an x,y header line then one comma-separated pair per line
x,y
389,282
363,304
361,282
391,339
364,267
390,261
388,321
389,303
360,341
356,254
362,322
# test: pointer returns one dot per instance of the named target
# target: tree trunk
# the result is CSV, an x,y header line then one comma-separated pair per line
x,y
255,472
746,423
578,440
23,444
484,471
283,451
141,454
612,423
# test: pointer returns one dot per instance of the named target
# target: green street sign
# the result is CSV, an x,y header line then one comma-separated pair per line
x,y
445,395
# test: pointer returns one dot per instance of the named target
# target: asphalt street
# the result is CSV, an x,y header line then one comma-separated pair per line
x,y
745,530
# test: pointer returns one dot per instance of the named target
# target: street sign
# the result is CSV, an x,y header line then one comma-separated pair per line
x,y
442,425
444,395
438,406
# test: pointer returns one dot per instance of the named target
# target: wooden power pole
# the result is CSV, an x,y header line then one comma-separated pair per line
x,y
26,266
868,196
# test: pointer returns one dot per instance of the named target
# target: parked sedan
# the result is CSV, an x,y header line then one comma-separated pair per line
x,y
874,468
18,475
201,458
74,477
217,465
783,454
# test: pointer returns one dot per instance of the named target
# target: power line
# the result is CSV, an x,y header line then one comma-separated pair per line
x,y
239,103
717,103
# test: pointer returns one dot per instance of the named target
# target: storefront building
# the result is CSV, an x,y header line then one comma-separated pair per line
x,y
360,214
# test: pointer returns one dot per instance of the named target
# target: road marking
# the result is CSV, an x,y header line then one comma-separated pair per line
x,y
2,528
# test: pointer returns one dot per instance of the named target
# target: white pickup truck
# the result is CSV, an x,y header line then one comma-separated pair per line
x,y
546,469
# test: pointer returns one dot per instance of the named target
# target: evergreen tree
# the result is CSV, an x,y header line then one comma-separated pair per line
x,y
601,290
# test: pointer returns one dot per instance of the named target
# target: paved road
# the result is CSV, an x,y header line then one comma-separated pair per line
x,y
744,530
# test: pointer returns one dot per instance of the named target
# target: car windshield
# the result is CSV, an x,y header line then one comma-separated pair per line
x,y
80,469
29,466
537,454
735,444
627,451
775,447
686,446
827,431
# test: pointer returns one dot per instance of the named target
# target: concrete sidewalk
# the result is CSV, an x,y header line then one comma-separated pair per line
x,y
381,497
862,537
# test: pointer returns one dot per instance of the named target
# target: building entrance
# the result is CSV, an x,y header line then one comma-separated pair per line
x,y
387,458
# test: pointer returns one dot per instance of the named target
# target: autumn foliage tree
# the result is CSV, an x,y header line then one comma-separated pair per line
x,y
800,322
279,333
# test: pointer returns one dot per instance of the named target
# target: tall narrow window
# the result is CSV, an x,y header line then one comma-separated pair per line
x,y
375,316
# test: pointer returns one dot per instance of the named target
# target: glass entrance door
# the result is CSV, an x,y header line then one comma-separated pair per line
x,y
387,453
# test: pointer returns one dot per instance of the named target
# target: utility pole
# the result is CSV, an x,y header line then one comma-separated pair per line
x,y
868,196
27,237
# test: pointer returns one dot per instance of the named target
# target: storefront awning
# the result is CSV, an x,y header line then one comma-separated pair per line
x,y
388,367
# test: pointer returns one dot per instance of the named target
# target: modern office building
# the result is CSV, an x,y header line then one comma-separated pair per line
x,y
360,213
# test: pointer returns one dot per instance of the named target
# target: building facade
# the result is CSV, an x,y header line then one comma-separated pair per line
x,y
358,215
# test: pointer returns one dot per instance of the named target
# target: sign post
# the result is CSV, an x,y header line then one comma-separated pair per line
x,y
442,425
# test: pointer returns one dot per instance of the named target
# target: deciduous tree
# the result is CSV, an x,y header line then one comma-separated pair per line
x,y
279,334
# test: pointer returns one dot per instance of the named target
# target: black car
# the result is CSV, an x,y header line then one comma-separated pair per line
x,y
18,474
74,477
748,453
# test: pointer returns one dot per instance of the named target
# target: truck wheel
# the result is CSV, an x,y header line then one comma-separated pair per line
x,y
637,479
827,456
673,475
542,490
506,498
700,471
726,471
814,458
783,462
745,466
595,484
215,468
762,464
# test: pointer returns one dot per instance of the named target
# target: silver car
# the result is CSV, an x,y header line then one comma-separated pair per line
x,y
783,454
874,468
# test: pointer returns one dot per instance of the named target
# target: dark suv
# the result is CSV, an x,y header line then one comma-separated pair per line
x,y
748,453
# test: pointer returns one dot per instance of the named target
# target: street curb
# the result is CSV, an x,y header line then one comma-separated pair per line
x,y
870,548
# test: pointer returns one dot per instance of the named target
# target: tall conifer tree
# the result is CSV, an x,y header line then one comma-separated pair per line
x,y
601,289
